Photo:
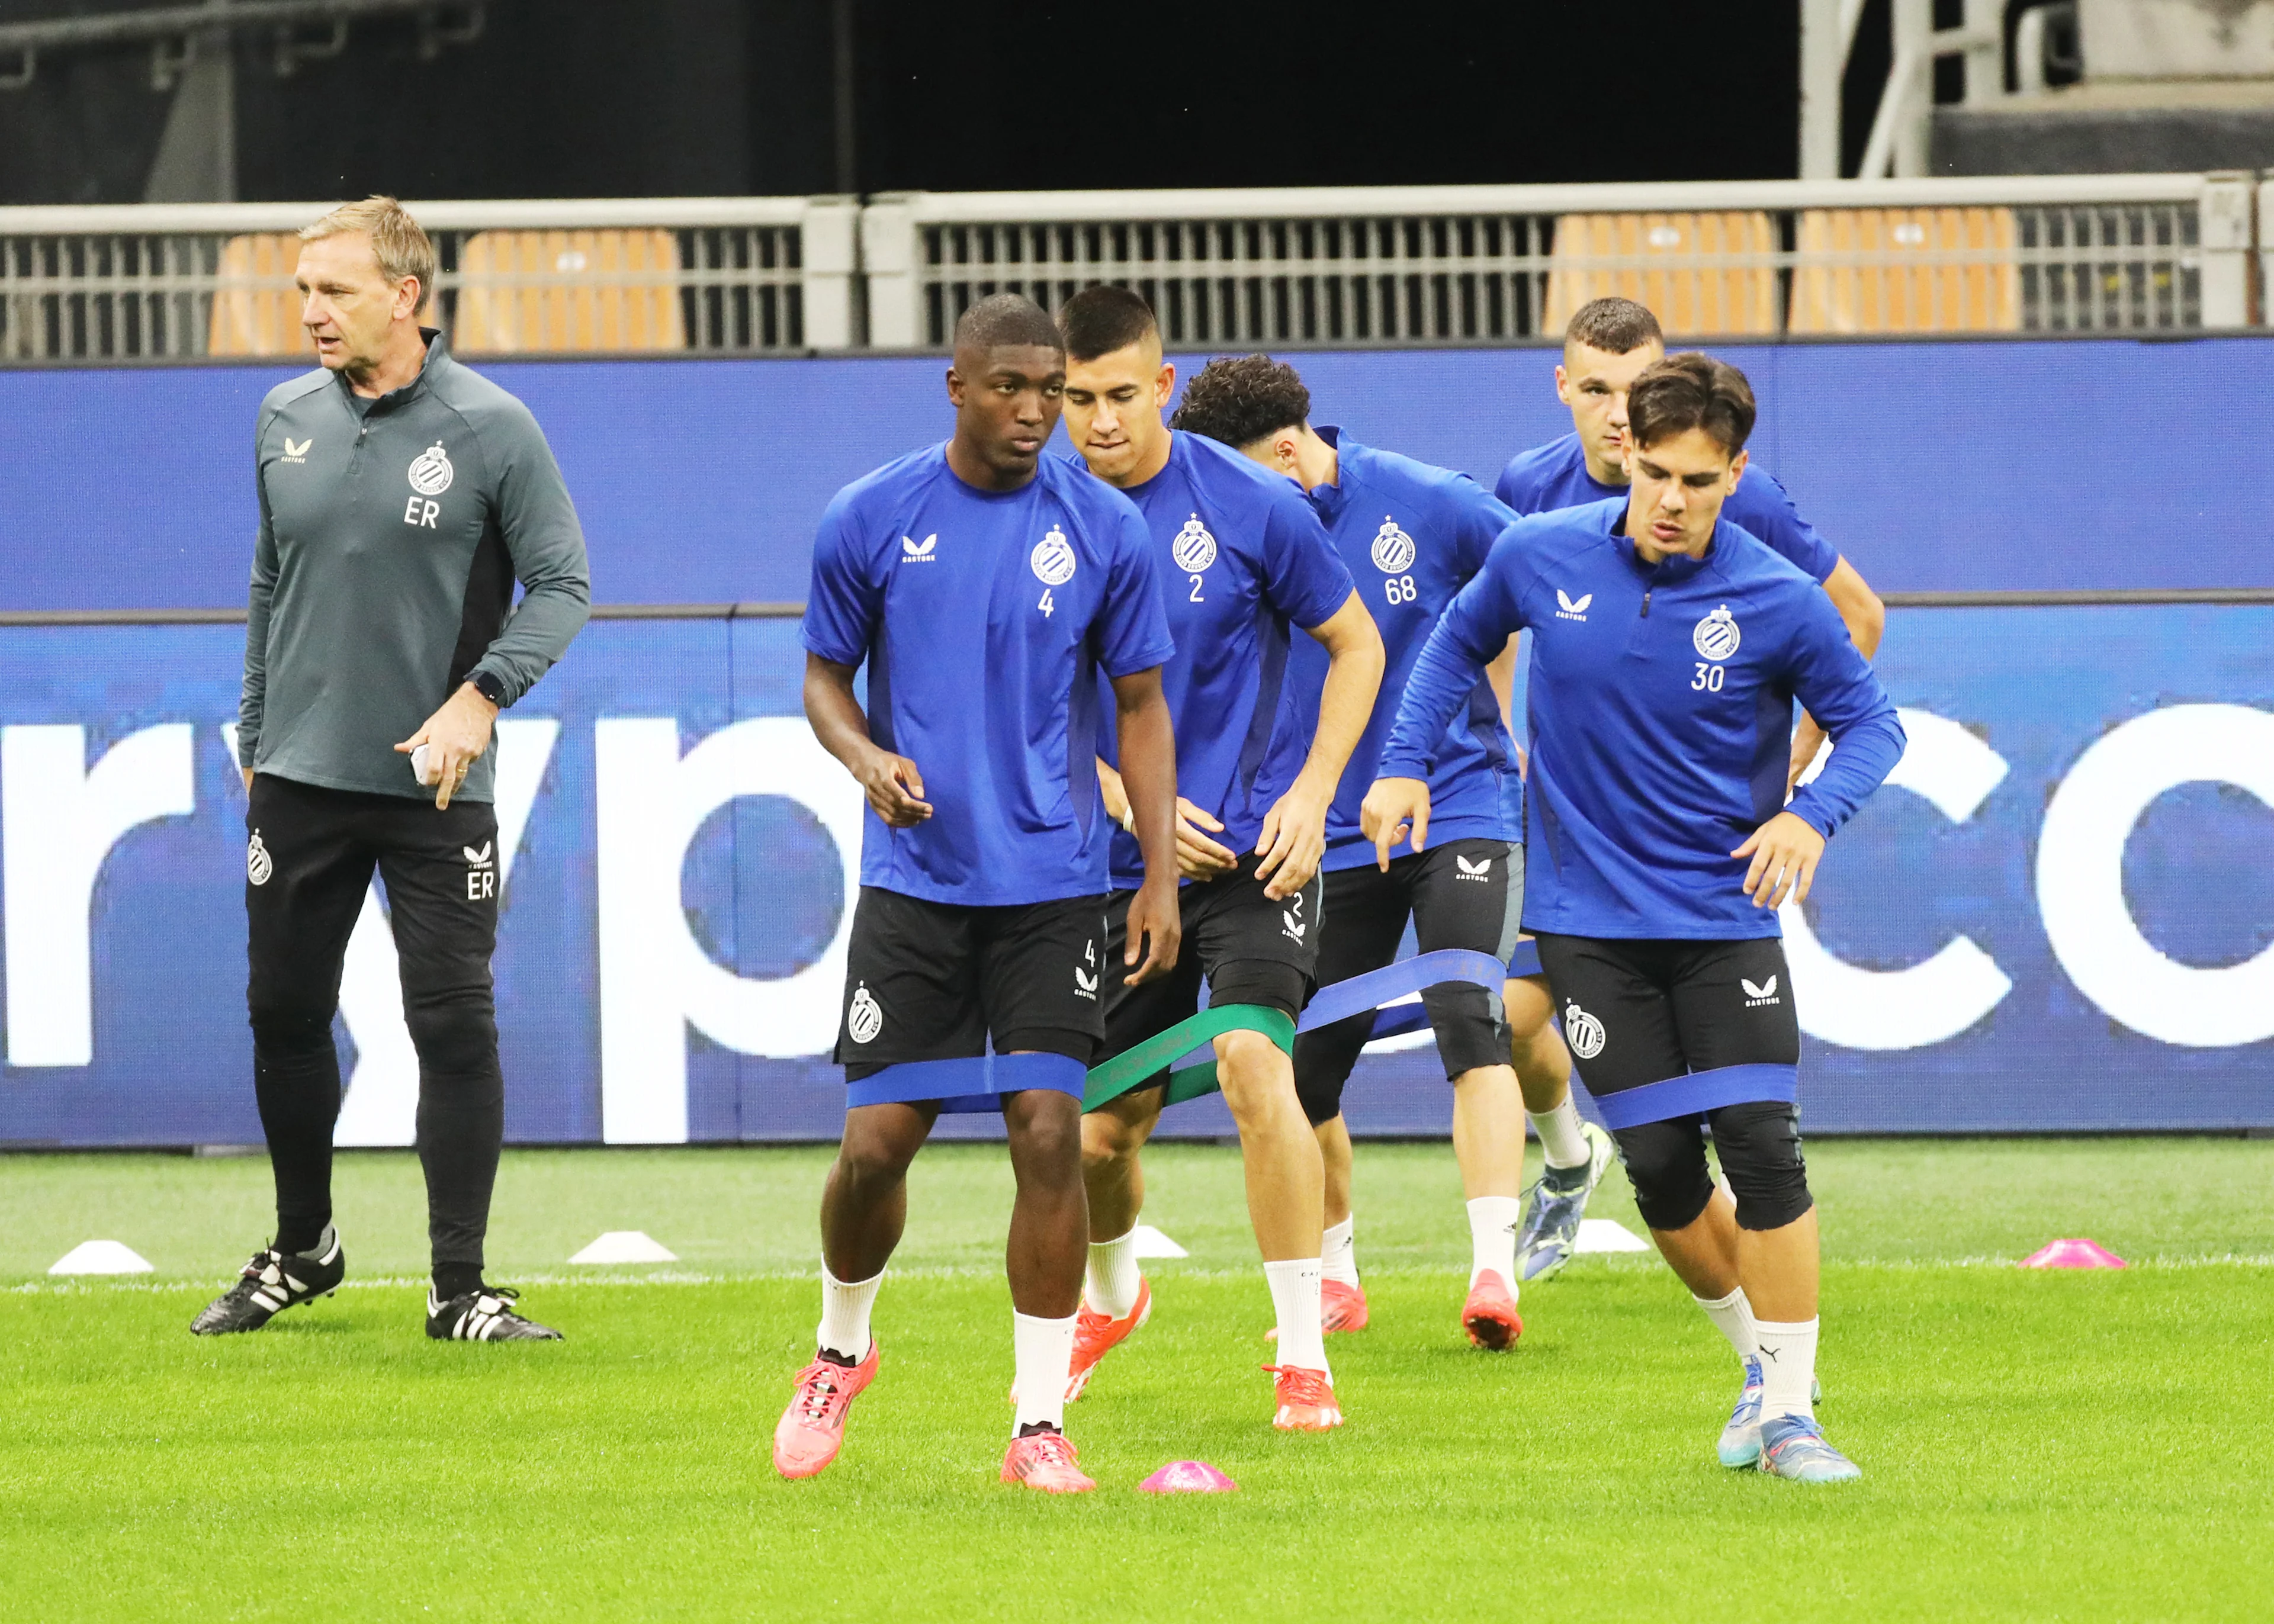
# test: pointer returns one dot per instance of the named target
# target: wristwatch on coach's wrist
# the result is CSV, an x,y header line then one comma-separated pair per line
x,y
489,688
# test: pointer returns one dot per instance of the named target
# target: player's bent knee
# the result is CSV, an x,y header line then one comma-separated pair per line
x,y
455,1033
1666,1163
1759,1148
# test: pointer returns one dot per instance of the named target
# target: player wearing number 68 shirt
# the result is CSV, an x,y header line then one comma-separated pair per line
x,y
1668,649
1413,536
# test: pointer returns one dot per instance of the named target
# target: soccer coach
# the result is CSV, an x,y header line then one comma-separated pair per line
x,y
401,498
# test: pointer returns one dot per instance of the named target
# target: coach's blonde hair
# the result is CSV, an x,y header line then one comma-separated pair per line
x,y
397,242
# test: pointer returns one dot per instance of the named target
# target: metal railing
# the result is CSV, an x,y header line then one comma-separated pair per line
x,y
730,276
1325,268
1402,265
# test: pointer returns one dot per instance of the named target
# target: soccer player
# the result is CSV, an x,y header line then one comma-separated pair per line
x,y
1607,345
401,498
1416,534
986,588
1667,647
1242,559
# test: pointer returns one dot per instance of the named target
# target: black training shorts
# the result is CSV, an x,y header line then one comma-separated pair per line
x,y
1464,894
1637,1012
1250,949
934,981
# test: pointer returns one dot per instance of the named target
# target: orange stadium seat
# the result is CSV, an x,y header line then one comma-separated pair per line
x,y
1720,277
1979,295
569,290
256,310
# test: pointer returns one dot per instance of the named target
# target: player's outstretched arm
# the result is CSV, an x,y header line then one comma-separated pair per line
x,y
894,787
1149,785
1865,617
1294,838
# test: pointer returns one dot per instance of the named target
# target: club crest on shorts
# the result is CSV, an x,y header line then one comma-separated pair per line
x,y
258,864
431,472
1716,637
864,1020
1193,549
1052,559
1393,548
1583,1031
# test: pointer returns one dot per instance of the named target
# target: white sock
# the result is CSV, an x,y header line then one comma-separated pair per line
x,y
844,1315
1339,1253
1114,1275
1788,1368
1733,1317
1561,1140
1295,1299
1492,1236
1044,1351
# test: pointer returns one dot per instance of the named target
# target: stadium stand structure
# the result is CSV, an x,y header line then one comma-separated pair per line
x,y
1327,267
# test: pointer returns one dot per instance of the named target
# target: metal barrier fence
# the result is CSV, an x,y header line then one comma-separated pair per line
x,y
1325,267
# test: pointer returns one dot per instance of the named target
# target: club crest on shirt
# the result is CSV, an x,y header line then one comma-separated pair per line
x,y
1052,559
1583,1031
1193,549
1716,637
864,1020
431,472
1393,548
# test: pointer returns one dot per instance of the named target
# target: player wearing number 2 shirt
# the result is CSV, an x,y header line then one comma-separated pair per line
x,y
1248,572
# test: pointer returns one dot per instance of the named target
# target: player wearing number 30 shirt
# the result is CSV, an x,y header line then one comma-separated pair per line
x,y
1668,648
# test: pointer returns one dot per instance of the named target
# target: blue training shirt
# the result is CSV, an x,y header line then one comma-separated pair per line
x,y
984,618
1555,475
1412,536
1661,712
1242,559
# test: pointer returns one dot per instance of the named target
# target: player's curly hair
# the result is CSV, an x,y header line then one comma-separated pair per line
x,y
1688,391
1238,400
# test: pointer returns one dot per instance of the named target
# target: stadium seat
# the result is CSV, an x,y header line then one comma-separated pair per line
x,y
569,290
256,310
1719,276
1891,296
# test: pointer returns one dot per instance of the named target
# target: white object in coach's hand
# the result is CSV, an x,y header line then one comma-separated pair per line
x,y
418,766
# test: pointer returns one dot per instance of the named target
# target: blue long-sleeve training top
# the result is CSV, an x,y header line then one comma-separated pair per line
x,y
1661,711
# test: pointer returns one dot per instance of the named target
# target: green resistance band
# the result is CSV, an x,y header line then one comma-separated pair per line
x,y
1130,1068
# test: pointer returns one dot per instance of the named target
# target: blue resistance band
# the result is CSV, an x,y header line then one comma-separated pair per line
x,y
967,1086
1394,1019
1698,1092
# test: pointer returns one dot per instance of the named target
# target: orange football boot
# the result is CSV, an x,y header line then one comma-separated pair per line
x,y
812,1429
1045,1461
1340,1307
1489,1316
1306,1400
1095,1335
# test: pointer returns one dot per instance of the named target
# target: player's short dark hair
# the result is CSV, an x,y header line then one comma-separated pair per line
x,y
1690,391
1006,318
1615,327
1099,320
1240,399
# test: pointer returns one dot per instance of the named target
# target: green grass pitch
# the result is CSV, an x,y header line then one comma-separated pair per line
x,y
2036,1446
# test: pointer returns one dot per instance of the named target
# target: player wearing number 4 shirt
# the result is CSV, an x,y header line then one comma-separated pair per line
x,y
1668,646
1414,535
1242,560
1000,600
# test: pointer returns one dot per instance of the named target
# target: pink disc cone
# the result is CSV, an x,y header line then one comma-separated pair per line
x,y
2077,1254
1187,1478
